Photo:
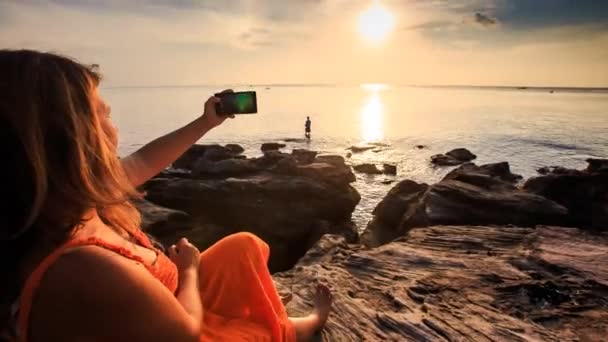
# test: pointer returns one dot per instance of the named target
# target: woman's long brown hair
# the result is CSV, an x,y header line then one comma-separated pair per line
x,y
57,161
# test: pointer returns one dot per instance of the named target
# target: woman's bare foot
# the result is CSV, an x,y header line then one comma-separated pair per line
x,y
322,300
307,326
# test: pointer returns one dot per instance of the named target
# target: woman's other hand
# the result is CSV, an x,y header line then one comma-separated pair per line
x,y
185,255
210,116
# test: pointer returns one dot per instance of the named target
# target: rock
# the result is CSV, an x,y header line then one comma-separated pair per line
x,y
271,146
349,154
285,166
235,149
224,168
461,154
287,211
454,157
557,170
337,161
160,221
303,156
359,149
328,169
340,176
296,140
469,195
489,176
443,160
597,165
455,202
217,152
187,159
400,210
387,181
270,159
370,169
584,193
420,147
459,283
171,173
389,169
208,152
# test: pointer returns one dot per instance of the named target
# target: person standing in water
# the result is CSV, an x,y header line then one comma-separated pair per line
x,y
307,128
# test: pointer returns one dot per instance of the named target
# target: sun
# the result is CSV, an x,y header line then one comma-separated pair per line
x,y
376,22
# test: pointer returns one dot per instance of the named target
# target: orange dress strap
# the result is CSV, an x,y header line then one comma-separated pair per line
x,y
33,281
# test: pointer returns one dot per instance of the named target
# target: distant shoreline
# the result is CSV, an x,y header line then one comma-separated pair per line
x,y
560,89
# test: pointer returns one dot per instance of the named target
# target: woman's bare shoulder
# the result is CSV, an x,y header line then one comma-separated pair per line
x,y
91,291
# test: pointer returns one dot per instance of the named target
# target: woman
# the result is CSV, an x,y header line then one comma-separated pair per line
x,y
75,265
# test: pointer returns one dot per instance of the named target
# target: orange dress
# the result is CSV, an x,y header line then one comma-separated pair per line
x,y
240,302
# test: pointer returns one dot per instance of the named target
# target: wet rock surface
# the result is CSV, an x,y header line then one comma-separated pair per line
x,y
460,283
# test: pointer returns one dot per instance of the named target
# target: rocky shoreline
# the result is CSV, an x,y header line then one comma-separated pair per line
x,y
480,255
289,200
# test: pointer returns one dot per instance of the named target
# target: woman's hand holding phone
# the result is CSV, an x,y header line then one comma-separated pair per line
x,y
210,116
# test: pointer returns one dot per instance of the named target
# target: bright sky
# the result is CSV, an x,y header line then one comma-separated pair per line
x,y
466,42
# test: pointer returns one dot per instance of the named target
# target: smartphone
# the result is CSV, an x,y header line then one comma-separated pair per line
x,y
242,102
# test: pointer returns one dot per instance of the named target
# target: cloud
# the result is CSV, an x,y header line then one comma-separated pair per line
x,y
271,10
433,26
258,37
484,20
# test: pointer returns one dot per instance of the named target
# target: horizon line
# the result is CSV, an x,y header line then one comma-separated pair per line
x,y
268,85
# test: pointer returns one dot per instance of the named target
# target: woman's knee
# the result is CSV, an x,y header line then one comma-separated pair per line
x,y
243,240
243,244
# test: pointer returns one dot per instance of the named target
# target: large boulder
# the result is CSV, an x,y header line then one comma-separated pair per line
x,y
584,193
289,212
459,283
456,202
263,201
453,157
288,199
469,195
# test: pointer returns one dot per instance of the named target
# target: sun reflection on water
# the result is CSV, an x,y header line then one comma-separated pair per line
x,y
372,113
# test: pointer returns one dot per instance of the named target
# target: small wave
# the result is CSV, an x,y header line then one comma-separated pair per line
x,y
551,144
